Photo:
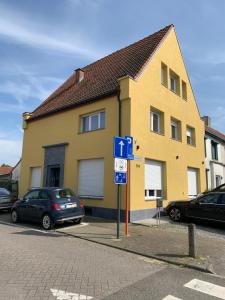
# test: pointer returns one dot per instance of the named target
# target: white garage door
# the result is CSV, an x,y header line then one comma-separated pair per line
x,y
35,177
192,182
91,178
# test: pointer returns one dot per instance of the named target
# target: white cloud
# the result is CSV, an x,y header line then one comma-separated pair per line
x,y
10,151
20,29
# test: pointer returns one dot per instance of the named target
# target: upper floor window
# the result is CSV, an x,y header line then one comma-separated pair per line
x,y
156,117
175,129
164,79
174,82
184,90
214,147
93,121
190,133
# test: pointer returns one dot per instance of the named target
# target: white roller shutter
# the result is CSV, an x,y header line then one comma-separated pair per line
x,y
35,177
192,182
153,175
91,178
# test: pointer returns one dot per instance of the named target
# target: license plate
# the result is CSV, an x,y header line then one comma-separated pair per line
x,y
71,205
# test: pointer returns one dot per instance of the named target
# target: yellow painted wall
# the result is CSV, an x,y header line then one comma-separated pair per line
x,y
148,91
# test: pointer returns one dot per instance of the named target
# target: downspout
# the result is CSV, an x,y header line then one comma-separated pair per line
x,y
119,119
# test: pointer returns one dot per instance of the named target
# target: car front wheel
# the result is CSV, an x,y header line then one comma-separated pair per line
x,y
175,214
14,216
47,222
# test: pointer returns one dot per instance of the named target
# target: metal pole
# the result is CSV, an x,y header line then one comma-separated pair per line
x,y
192,240
127,197
118,212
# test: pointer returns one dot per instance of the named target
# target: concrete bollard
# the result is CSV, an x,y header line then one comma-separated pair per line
x,y
192,240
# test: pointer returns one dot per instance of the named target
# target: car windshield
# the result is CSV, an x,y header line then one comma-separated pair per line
x,y
4,192
64,193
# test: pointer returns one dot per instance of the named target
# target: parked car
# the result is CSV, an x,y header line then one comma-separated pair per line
x,y
6,199
206,207
48,206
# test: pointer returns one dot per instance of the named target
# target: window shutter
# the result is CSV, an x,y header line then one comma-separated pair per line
x,y
153,175
91,178
35,177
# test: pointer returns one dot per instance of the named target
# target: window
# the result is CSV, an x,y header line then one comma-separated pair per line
x,y
93,121
174,83
153,179
91,178
175,129
164,72
192,175
214,150
218,180
157,124
35,177
190,133
34,195
184,90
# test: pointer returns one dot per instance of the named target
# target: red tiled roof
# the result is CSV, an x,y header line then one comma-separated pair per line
x,y
215,133
101,77
5,170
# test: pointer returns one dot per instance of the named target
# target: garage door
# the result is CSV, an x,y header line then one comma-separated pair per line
x,y
35,177
91,178
153,179
192,182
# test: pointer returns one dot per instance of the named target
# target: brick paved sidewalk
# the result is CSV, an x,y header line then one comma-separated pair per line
x,y
168,243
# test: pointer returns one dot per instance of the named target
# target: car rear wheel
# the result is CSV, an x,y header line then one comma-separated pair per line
x,y
77,221
14,216
46,222
175,214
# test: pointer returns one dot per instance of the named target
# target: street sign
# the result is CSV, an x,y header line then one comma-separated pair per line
x,y
120,165
120,147
130,155
120,178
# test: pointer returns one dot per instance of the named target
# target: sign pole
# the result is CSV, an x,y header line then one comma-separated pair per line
x,y
118,212
127,196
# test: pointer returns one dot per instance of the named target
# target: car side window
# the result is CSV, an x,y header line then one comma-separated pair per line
x,y
209,199
34,195
43,195
222,199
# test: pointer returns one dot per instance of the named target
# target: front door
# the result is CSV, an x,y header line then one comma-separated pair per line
x,y
53,176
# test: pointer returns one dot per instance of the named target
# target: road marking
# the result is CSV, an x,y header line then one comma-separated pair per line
x,y
62,295
206,288
170,297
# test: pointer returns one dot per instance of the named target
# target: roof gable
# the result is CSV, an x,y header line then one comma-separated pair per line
x,y
101,77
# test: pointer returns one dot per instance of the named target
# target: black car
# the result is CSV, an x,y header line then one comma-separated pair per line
x,y
6,199
209,207
48,206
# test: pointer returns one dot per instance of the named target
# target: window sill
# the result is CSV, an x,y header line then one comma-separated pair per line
x,y
83,132
176,140
191,145
159,133
153,198
174,93
165,85
91,197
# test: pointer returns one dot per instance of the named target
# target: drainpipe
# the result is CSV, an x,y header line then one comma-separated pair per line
x,y
118,185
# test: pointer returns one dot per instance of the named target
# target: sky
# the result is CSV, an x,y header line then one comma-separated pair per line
x,y
43,42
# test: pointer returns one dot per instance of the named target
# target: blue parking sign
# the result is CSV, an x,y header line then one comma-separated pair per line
x,y
120,178
130,154
120,147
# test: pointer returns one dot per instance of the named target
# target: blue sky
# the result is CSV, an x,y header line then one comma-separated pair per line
x,y
43,42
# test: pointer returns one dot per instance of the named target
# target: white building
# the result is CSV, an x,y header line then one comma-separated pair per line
x,y
215,155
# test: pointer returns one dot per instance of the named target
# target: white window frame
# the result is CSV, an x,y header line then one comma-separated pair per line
x,y
189,133
90,116
173,87
176,126
155,191
158,121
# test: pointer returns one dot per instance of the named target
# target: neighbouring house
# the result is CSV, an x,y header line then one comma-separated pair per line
x,y
9,177
214,155
5,172
142,90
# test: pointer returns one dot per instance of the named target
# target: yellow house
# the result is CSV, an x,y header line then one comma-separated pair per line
x,y
143,91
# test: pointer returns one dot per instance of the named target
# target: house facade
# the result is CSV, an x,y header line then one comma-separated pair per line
x,y
215,156
143,91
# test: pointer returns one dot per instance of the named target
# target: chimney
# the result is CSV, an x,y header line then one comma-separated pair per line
x,y
79,75
207,120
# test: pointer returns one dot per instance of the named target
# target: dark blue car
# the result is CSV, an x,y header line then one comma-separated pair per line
x,y
48,206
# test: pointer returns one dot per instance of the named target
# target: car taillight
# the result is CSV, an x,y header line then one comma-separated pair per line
x,y
56,206
81,203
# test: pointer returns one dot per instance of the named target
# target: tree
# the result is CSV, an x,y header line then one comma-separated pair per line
x,y
5,165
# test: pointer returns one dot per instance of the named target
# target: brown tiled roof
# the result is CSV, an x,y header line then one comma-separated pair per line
x,y
101,77
215,133
5,170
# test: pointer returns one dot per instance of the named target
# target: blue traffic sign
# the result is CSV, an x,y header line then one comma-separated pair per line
x,y
130,154
120,178
120,147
